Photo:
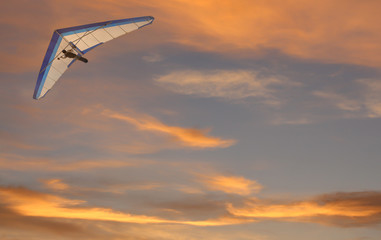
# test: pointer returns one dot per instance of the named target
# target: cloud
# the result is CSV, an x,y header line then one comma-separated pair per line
x,y
225,84
192,206
60,185
10,219
333,31
188,137
230,184
35,204
55,184
189,189
20,163
121,188
340,101
372,98
352,209
139,147
30,203
337,31
153,58
14,226
365,103
15,142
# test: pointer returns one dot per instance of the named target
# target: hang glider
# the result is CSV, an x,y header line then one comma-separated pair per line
x,y
70,44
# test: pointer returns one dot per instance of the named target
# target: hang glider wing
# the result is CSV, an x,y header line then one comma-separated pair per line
x,y
79,40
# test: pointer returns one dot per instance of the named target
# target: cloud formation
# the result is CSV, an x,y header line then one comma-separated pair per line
x,y
352,209
12,220
19,163
55,184
188,137
59,185
331,31
225,84
366,102
230,184
340,101
14,142
372,98
69,146
337,31
36,204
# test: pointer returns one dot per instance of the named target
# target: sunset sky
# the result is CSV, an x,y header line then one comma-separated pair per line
x,y
222,120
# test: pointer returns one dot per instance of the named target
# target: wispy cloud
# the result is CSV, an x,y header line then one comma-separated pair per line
x,y
188,137
20,163
31,203
55,184
372,98
153,58
365,103
340,101
19,225
15,142
226,84
61,186
340,209
230,184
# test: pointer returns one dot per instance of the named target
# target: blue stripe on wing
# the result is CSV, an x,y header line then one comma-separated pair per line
x,y
49,56
93,26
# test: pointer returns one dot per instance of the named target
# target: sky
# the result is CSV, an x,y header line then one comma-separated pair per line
x,y
222,120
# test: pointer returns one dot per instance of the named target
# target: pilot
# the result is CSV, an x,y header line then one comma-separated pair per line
x,y
70,54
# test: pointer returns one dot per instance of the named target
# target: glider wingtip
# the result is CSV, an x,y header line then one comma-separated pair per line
x,y
35,97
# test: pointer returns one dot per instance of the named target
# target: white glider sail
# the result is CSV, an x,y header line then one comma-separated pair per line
x,y
79,40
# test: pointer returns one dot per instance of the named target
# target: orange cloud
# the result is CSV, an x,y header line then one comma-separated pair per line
x,y
59,185
351,209
121,188
338,31
19,163
22,227
186,136
231,184
342,209
331,31
55,184
31,203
